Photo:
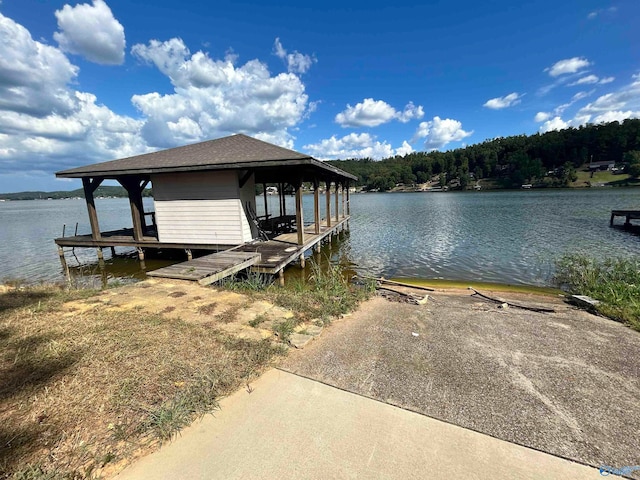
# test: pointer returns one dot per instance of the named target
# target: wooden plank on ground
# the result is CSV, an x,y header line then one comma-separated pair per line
x,y
210,268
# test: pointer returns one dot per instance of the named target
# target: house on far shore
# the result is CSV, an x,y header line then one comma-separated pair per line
x,y
602,166
204,198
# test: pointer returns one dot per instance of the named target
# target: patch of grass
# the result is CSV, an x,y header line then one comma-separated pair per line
x,y
80,388
258,320
326,294
613,281
284,329
207,309
247,282
230,314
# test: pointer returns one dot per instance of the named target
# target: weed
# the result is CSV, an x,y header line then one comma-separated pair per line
x,y
284,329
258,320
615,282
207,309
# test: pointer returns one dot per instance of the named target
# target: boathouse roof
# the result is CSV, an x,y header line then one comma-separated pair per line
x,y
236,152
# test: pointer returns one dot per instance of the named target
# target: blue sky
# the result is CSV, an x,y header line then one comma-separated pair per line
x,y
96,80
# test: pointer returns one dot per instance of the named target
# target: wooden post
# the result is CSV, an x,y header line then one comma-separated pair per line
x,y
348,201
63,261
266,208
302,261
281,197
344,204
189,254
134,190
281,277
113,251
143,265
90,187
100,256
337,205
299,216
328,197
316,206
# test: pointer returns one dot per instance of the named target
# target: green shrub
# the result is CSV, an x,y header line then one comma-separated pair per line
x,y
613,281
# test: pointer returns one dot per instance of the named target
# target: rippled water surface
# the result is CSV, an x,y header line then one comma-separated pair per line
x,y
507,237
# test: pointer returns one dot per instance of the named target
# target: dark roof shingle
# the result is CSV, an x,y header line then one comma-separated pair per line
x,y
233,152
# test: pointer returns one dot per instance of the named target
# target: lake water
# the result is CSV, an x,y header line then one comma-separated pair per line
x,y
507,236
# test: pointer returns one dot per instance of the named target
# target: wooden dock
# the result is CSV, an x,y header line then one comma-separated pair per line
x,y
627,214
210,268
271,256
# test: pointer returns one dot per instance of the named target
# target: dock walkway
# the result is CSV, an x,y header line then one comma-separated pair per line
x,y
210,268
628,214
270,256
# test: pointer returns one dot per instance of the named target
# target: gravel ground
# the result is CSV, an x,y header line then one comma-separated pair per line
x,y
566,383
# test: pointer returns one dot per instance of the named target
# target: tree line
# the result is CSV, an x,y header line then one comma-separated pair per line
x,y
548,159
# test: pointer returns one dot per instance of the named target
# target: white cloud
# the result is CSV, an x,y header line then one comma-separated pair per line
x,y
602,11
296,62
569,65
47,125
438,132
26,66
405,149
355,145
371,113
218,96
556,123
591,80
91,31
615,116
542,116
410,112
613,106
503,102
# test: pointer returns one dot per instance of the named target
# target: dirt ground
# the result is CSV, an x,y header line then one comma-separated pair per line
x,y
566,383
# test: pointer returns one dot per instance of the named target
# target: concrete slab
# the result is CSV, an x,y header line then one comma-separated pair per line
x,y
565,383
290,427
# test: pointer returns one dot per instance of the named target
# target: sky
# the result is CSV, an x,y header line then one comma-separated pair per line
x,y
96,80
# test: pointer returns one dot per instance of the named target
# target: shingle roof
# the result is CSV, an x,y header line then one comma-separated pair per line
x,y
233,152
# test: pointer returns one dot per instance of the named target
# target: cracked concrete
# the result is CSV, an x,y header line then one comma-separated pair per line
x,y
566,383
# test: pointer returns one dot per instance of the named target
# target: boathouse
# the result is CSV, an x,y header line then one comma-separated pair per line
x,y
204,198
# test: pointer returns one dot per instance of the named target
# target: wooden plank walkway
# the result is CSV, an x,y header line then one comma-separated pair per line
x,y
210,268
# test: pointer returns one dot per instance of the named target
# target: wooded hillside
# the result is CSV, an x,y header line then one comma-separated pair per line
x,y
550,158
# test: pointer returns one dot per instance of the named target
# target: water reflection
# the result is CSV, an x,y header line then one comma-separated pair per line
x,y
508,237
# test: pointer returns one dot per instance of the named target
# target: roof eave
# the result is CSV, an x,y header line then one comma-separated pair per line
x,y
223,166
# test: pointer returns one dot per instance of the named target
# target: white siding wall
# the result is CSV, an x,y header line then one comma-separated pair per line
x,y
202,207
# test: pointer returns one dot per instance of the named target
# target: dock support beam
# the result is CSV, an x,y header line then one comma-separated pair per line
x,y
337,204
140,251
266,207
189,254
328,197
134,189
63,261
90,186
302,261
344,203
316,206
299,216
281,277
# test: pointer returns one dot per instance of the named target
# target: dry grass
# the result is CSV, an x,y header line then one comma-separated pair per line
x,y
86,388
